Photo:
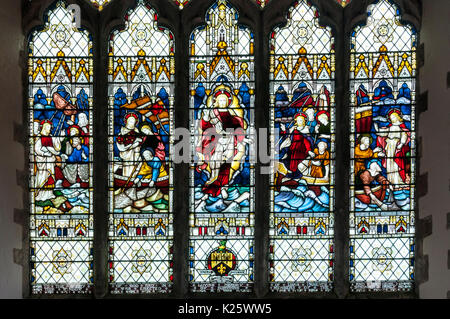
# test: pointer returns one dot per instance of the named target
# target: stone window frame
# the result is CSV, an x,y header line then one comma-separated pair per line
x,y
182,23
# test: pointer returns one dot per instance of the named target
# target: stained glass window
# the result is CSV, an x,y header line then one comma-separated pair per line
x,y
100,3
60,74
222,174
382,223
302,70
141,87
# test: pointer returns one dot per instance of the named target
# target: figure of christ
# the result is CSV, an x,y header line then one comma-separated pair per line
x,y
128,144
363,152
299,147
223,142
394,140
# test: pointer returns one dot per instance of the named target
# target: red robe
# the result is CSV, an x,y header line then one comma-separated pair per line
x,y
209,144
298,151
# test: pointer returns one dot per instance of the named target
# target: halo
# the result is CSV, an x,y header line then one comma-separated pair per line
x,y
395,110
322,112
128,115
74,127
43,122
226,93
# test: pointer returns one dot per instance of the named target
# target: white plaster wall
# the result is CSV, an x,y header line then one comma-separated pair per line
x,y
11,153
435,131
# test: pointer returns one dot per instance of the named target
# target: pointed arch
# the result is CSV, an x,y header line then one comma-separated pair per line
x,y
382,176
141,123
303,134
222,174
60,88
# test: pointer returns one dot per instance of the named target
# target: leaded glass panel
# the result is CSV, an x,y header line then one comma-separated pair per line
x,y
141,87
383,151
302,72
222,174
60,75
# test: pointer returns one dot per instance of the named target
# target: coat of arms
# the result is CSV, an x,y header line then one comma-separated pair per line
x,y
222,260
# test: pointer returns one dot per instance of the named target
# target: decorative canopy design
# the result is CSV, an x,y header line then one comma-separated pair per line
x,y
99,4
343,3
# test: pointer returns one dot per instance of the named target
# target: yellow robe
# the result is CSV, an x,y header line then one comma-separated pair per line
x,y
146,171
319,171
361,157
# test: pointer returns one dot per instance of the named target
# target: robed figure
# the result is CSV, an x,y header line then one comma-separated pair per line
x,y
222,144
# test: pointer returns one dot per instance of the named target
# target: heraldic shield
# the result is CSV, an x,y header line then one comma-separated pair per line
x,y
222,260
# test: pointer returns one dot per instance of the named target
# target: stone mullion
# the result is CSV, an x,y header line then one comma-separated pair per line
x,y
342,162
101,210
181,172
262,184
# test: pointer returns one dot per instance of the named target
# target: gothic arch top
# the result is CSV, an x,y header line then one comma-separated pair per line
x,y
182,23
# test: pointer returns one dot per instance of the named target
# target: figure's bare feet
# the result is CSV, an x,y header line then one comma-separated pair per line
x,y
213,178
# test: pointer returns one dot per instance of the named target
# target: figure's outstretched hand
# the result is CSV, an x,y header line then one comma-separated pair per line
x,y
377,150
